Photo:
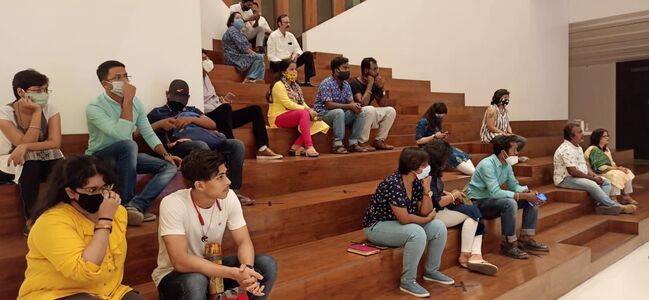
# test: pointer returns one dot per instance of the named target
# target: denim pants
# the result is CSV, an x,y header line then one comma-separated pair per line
x,y
124,156
599,193
194,286
232,149
506,209
413,238
338,119
257,68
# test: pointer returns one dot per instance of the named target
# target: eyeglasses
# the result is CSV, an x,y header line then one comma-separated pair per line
x,y
121,78
604,136
97,190
39,90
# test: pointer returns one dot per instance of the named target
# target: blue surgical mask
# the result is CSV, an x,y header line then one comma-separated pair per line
x,y
238,24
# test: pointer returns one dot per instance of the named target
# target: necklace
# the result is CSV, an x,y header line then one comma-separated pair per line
x,y
200,219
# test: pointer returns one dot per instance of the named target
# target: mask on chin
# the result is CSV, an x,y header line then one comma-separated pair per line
x,y
343,75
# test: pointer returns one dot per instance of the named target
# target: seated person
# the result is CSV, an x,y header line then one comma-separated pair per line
x,y
30,137
486,193
335,105
193,220
237,52
283,45
220,110
452,211
601,162
571,171
288,109
429,128
252,29
112,120
401,214
367,88
165,119
77,246
262,22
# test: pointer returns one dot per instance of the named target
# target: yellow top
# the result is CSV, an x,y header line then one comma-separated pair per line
x,y
282,103
55,264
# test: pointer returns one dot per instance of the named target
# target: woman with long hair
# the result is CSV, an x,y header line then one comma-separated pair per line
x,y
237,52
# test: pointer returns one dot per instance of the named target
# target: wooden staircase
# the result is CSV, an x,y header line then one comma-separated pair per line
x,y
309,210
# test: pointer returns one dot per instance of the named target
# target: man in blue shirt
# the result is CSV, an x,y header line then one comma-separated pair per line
x,y
165,118
493,201
335,105
112,119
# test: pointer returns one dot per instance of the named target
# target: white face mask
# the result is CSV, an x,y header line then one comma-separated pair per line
x,y
208,65
511,160
117,88
424,173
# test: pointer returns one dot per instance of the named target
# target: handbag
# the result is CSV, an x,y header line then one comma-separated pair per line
x,y
212,138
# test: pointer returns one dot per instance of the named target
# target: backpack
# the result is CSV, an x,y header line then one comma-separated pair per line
x,y
212,138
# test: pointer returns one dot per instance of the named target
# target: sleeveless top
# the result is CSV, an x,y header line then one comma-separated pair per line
x,y
502,123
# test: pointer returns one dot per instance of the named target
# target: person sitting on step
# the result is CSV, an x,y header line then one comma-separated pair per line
x,y
401,214
30,137
262,22
176,115
429,128
112,118
453,211
191,263
601,162
335,105
573,172
283,45
252,29
288,110
77,246
495,121
237,52
486,193
367,88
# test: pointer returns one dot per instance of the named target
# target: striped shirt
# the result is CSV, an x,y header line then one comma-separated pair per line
x,y
502,124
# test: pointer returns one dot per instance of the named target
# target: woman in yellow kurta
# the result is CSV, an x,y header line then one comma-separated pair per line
x,y
601,161
77,245
288,110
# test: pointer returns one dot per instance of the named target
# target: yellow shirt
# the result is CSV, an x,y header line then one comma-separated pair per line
x,y
55,264
282,103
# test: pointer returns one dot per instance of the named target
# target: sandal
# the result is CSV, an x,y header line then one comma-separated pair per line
x,y
296,152
464,260
628,200
311,153
340,149
482,266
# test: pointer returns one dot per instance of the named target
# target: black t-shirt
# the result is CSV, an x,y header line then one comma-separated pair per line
x,y
359,87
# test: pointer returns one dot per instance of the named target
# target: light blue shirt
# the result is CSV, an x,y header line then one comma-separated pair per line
x,y
489,175
106,127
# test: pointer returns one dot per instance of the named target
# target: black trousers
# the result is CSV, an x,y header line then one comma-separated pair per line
x,y
305,59
34,172
226,120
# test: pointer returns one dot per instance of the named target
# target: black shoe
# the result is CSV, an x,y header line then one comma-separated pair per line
x,y
260,50
309,84
512,250
533,245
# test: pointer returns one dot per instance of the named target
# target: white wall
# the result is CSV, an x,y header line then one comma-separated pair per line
x,y
474,47
214,14
157,40
583,10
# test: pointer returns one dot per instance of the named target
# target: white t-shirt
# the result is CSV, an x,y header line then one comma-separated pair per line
x,y
245,14
178,217
7,113
568,155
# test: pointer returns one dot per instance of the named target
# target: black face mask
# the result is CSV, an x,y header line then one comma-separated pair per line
x,y
175,106
90,203
504,102
343,75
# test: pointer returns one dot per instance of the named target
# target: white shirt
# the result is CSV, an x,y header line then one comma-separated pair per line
x,y
178,217
210,99
568,156
282,46
264,24
245,14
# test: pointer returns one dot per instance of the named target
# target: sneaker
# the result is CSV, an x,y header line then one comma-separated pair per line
x,y
367,146
268,154
356,148
609,210
135,217
245,201
629,208
512,250
149,217
381,145
533,245
438,277
340,149
414,289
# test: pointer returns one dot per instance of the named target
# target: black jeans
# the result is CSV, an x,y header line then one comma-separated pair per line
x,y
305,59
226,120
34,172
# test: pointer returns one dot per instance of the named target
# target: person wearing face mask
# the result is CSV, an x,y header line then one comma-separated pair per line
x,y
113,118
429,128
367,88
288,110
282,44
237,52
251,24
486,193
77,246
30,137
335,105
496,119
401,214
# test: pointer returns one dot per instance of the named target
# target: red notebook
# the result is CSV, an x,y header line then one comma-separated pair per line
x,y
361,249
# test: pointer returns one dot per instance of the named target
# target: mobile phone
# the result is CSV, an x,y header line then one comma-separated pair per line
x,y
229,97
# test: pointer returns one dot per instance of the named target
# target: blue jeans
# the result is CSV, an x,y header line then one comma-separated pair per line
x,y
232,149
506,209
413,238
194,286
257,68
599,193
338,119
124,156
